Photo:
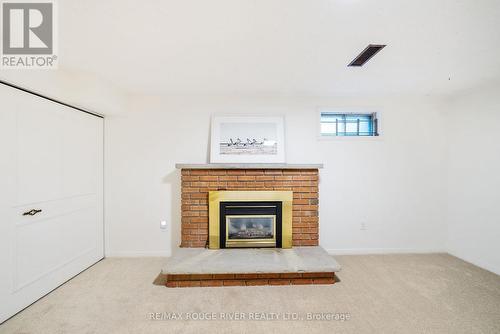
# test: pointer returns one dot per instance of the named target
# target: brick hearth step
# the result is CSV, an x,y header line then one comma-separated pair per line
x,y
195,267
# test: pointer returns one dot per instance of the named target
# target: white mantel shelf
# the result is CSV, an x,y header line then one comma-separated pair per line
x,y
248,166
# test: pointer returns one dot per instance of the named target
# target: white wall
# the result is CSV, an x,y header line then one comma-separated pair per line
x,y
474,178
392,184
80,89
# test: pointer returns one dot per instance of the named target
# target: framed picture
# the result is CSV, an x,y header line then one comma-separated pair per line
x,y
247,139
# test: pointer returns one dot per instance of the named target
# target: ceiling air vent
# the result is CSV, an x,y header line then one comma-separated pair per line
x,y
370,51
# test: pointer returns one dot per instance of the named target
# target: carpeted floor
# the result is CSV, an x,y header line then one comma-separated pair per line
x,y
434,293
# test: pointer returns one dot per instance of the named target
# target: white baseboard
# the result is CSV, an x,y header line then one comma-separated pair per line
x,y
137,254
366,251
331,251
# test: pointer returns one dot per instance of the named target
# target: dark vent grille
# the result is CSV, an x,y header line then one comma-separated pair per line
x,y
370,51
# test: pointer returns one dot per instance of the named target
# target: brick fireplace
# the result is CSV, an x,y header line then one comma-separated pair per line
x,y
197,183
249,224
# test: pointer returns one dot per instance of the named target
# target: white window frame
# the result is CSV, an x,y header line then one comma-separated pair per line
x,y
350,110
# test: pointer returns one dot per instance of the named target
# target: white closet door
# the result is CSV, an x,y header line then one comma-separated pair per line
x,y
51,159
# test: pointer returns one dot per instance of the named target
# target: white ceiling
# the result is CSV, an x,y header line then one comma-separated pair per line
x,y
285,47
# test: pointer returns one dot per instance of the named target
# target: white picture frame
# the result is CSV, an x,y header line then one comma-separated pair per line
x,y
247,139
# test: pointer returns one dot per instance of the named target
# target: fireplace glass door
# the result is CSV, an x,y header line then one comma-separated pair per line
x,y
250,224
251,230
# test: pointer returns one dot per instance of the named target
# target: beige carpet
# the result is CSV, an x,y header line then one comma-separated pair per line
x,y
381,293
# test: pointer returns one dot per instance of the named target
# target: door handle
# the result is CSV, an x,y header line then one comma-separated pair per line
x,y
32,212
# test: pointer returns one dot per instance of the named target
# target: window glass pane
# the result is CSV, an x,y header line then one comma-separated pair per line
x,y
347,124
351,127
341,127
328,129
364,128
365,125
329,117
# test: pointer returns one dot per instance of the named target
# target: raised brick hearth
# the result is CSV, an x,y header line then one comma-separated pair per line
x,y
196,183
192,267
206,280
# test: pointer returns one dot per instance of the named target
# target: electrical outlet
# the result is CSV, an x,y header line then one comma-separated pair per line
x,y
363,226
163,225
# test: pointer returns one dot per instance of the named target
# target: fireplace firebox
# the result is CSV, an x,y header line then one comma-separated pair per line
x,y
250,224
242,219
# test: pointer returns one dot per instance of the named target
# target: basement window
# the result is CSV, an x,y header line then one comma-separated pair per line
x,y
348,124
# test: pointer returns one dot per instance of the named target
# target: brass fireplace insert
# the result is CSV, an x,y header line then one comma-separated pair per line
x,y
250,219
